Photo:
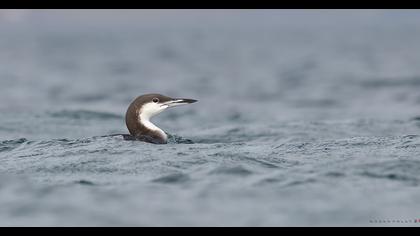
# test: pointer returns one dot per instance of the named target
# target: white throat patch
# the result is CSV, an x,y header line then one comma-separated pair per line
x,y
149,110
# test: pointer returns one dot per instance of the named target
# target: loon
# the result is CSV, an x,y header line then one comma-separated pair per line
x,y
144,107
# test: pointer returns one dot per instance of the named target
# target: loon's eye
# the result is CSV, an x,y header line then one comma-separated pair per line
x,y
155,100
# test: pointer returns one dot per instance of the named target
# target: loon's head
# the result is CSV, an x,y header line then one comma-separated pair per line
x,y
145,107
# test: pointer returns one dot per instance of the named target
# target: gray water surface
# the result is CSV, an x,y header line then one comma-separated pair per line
x,y
294,126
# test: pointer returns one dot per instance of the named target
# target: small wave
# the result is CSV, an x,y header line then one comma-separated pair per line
x,y
391,82
178,139
399,170
285,182
89,97
300,182
315,103
172,178
235,170
172,139
84,182
409,141
11,144
416,120
85,115
335,174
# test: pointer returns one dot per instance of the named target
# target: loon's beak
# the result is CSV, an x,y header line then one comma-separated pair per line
x,y
179,101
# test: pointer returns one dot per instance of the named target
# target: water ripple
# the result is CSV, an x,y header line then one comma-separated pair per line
x,y
398,170
85,115
172,178
235,170
8,145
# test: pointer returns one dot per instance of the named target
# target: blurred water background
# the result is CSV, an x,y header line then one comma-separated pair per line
x,y
305,117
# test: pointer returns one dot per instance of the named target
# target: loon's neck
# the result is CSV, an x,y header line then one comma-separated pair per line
x,y
150,129
140,127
